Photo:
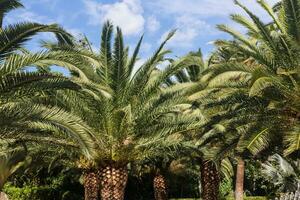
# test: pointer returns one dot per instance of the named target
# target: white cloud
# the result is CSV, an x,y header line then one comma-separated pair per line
x,y
141,61
163,64
196,18
75,32
152,24
146,47
128,14
138,64
206,8
210,42
189,29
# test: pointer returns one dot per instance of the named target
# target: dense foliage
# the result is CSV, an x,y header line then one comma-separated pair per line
x,y
220,129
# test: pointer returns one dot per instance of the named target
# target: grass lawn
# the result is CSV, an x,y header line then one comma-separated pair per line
x,y
231,198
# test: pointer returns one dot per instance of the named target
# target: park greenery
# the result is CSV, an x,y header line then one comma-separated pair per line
x,y
225,127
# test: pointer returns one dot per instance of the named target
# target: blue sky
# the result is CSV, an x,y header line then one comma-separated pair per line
x,y
194,19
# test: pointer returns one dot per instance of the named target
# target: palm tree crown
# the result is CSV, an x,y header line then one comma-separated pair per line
x,y
131,114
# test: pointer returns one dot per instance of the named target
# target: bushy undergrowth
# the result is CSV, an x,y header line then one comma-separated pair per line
x,y
29,192
57,185
250,198
38,193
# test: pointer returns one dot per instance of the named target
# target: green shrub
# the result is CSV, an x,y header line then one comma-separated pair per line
x,y
27,192
231,198
225,189
37,193
250,198
57,185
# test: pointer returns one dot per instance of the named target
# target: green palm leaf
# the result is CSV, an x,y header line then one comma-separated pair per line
x,y
7,6
292,141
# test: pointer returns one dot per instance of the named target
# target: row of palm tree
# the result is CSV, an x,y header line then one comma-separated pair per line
x,y
108,117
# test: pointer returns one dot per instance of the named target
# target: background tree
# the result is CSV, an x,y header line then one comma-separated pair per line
x,y
266,73
128,126
284,174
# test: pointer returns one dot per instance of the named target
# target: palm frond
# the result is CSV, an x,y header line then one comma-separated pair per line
x,y
7,6
292,18
14,36
292,141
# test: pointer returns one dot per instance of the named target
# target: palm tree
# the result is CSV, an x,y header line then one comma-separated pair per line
x,y
161,163
132,115
225,117
268,73
208,134
244,120
26,117
277,60
160,186
158,168
22,90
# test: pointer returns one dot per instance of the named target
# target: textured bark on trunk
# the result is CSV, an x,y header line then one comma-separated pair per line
x,y
210,181
239,183
113,182
160,187
91,185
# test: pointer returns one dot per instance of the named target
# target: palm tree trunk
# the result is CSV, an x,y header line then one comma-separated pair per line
x,y
113,182
239,183
210,181
91,185
160,187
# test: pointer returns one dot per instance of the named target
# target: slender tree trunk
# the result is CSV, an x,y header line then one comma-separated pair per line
x,y
113,182
160,187
239,183
210,181
91,185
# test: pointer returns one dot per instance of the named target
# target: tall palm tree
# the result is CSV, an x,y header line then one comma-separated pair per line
x,y
161,163
277,61
24,115
20,89
206,136
132,116
225,117
269,73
